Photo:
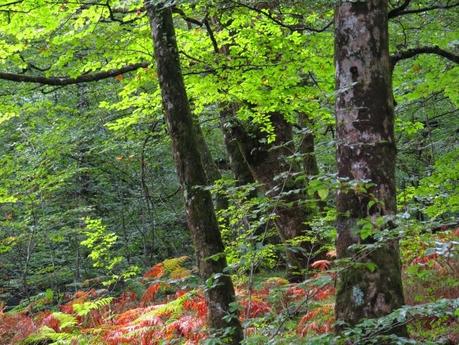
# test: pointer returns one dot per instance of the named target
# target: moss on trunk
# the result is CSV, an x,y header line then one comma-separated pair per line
x,y
198,202
365,152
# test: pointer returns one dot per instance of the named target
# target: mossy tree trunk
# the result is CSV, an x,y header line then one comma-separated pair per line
x,y
365,152
198,202
306,147
271,168
239,166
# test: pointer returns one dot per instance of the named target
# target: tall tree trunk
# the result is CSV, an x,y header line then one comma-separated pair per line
x,y
198,202
306,148
366,152
270,167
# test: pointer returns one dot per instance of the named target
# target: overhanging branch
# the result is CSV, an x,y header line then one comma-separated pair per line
x,y
409,53
395,12
11,3
401,11
62,81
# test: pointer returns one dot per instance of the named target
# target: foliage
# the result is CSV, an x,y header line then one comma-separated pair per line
x,y
89,194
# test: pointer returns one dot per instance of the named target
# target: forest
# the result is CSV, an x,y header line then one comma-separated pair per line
x,y
241,172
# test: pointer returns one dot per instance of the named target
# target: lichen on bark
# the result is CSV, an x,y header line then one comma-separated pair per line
x,y
200,213
365,155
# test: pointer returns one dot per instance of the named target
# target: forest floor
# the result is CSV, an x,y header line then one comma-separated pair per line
x,y
165,306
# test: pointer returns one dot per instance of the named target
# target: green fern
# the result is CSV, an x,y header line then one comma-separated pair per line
x,y
65,320
46,335
85,308
173,308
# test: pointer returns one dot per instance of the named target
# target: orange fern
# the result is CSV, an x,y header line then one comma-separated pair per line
x,y
321,265
157,271
150,293
319,320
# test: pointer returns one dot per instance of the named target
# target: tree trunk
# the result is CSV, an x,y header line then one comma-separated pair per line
x,y
270,167
306,147
198,202
239,166
365,152
265,164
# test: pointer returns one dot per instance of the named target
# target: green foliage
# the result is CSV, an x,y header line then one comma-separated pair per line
x,y
438,194
50,336
101,245
85,308
100,242
245,227
89,191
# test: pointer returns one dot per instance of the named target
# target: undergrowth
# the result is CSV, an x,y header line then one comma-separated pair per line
x,y
167,306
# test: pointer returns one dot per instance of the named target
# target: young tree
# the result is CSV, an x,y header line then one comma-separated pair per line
x,y
365,152
198,202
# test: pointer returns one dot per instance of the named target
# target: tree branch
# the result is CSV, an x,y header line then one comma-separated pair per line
x,y
395,12
62,81
11,3
111,13
407,54
298,28
211,36
401,12
185,17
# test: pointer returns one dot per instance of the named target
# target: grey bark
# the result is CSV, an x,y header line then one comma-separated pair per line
x,y
365,151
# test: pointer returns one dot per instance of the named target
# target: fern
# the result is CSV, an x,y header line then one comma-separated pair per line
x,y
173,308
47,335
173,268
170,265
65,320
85,308
157,271
151,292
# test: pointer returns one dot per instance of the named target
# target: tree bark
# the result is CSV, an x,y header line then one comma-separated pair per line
x,y
238,164
365,152
270,167
239,167
198,202
306,147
